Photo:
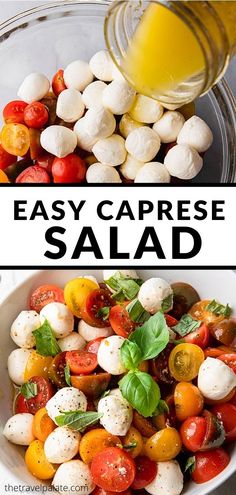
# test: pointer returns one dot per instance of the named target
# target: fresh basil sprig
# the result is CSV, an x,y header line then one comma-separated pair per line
x,y
78,420
186,325
141,391
219,309
46,343
136,312
125,288
29,390
67,374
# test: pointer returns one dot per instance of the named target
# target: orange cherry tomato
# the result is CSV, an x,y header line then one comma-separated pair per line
x,y
198,312
37,365
185,361
95,441
165,445
43,425
3,178
76,292
133,436
188,400
37,463
15,139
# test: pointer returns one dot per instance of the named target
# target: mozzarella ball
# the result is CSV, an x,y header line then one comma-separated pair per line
x,y
22,329
131,167
125,273
168,481
100,173
215,379
98,123
169,126
153,172
89,333
73,474
58,140
183,162
84,140
16,365
118,97
127,125
146,110
19,429
101,65
72,342
109,355
34,87
62,445
66,399
78,75
59,317
70,106
152,294
110,151
143,144
196,133
92,95
117,414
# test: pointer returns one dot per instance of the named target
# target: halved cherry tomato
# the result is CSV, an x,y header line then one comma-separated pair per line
x,y
37,463
188,400
200,337
76,292
185,361
94,442
198,312
35,115
15,139
225,332
69,169
58,83
21,405
209,464
93,345
229,359
35,145
44,393
3,178
92,385
133,436
226,413
170,320
43,425
56,371
6,159
159,366
215,434
95,301
33,174
192,432
120,321
146,471
37,365
143,425
164,445
45,160
44,295
184,297
13,113
107,466
81,362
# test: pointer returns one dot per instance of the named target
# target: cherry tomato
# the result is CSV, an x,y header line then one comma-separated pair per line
x,y
21,405
120,321
107,466
229,359
36,115
159,366
37,463
69,169
92,385
6,159
45,160
188,400
226,413
44,295
44,393
95,301
133,437
13,113
95,441
15,139
93,345
43,425
50,102
3,178
33,174
185,361
58,83
143,425
225,332
170,320
146,471
76,292
164,445
184,297
192,432
56,371
209,464
198,312
37,365
200,336
215,434
35,146
81,362
213,352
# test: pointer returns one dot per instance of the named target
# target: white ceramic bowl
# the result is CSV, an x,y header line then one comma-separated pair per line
x,y
210,284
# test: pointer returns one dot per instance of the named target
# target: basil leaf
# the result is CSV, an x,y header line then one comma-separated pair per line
x,y
104,312
162,407
125,288
190,464
77,420
186,325
136,312
167,303
219,309
141,391
105,394
152,337
67,374
130,446
29,390
46,343
131,354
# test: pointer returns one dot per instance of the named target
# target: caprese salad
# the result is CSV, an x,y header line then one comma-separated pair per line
x,y
123,385
88,124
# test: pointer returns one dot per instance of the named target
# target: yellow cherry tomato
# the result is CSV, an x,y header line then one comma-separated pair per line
x,y
198,312
94,442
15,139
165,445
43,425
3,178
133,437
188,400
37,463
185,361
37,365
76,292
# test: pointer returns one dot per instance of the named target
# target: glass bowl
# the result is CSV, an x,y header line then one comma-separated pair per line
x,y
50,36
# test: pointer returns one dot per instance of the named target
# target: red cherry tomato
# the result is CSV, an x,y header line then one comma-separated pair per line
x,y
226,413
45,161
21,405
170,321
36,115
33,174
229,359
6,159
215,434
69,169
209,464
44,393
120,321
107,467
58,83
13,113
146,471
81,362
93,345
45,294
199,337
192,432
95,302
